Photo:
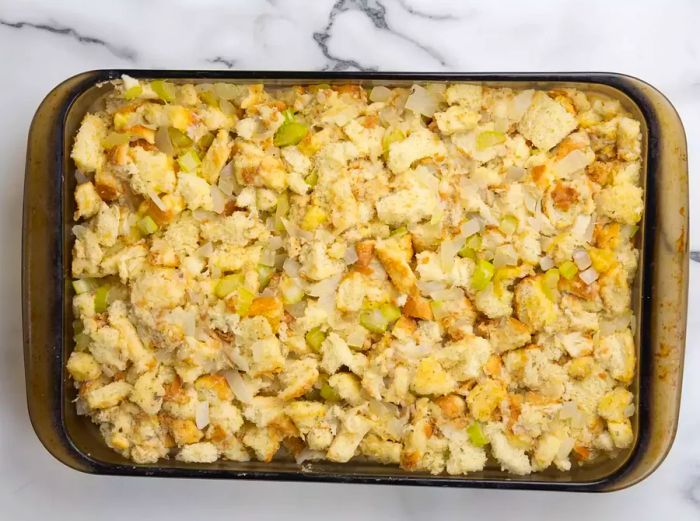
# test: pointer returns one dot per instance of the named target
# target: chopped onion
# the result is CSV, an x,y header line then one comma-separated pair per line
x,y
202,215
565,448
307,454
162,141
239,360
470,227
582,259
227,107
268,257
421,101
294,231
218,199
80,177
580,225
275,242
589,276
448,294
520,103
546,263
618,323
572,162
505,256
157,200
588,234
356,337
324,287
350,256
201,415
428,288
379,93
629,410
238,386
227,181
205,250
297,310
530,201
514,173
291,267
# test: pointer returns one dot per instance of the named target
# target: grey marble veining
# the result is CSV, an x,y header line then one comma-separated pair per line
x,y
43,42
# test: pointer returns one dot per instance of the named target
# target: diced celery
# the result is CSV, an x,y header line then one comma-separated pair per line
x,y
329,394
374,320
120,121
489,138
290,133
313,218
550,281
291,291
399,232
244,298
509,224
315,338
471,246
81,286
568,269
178,138
164,90
101,296
205,142
114,139
438,308
483,273
208,97
312,178
476,435
228,284
602,259
281,211
189,160
264,275
390,311
147,225
133,92
391,136
82,341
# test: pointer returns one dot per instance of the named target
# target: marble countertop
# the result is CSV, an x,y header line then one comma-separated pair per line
x,y
42,43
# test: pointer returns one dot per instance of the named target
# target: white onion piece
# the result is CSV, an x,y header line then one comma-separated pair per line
x,y
275,242
421,101
580,225
324,287
218,199
350,256
227,107
238,386
201,415
428,288
205,250
268,257
162,141
80,177
514,173
239,360
157,200
546,263
294,231
572,162
297,310
307,454
357,336
470,227
291,267
582,259
629,410
519,104
530,202
588,234
589,276
379,93
565,448
504,257
227,181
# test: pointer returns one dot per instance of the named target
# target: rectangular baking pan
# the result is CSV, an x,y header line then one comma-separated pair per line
x,y
659,297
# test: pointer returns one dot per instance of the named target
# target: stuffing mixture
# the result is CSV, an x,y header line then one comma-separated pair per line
x,y
429,277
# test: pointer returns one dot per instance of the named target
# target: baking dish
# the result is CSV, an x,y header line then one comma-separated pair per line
x,y
660,296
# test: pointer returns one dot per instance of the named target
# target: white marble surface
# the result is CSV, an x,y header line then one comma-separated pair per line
x,y
41,43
